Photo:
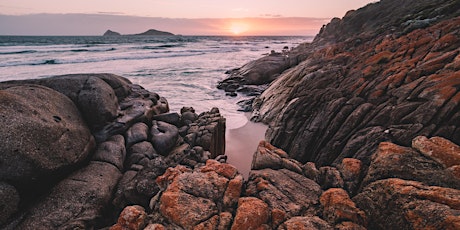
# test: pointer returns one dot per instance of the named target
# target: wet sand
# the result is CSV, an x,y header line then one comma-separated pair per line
x,y
241,143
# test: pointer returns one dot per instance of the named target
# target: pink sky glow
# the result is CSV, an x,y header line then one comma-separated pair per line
x,y
209,17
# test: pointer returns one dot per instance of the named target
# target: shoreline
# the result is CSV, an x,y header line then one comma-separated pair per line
x,y
242,142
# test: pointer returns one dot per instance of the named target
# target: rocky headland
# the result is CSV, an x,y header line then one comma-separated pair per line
x,y
364,133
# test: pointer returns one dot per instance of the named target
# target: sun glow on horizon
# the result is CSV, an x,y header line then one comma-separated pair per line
x,y
237,28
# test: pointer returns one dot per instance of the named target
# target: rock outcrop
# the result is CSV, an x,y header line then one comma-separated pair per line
x,y
42,135
55,175
369,79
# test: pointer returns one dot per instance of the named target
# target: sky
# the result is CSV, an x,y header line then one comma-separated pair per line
x,y
208,17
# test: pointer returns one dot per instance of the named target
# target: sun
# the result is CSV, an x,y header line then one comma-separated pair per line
x,y
238,28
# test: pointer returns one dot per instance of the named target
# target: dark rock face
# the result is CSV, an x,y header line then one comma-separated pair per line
x,y
42,133
208,131
95,95
409,205
349,96
59,179
253,78
76,201
416,191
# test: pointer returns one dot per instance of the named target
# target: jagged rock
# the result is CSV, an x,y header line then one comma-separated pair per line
x,y
155,227
352,174
132,218
42,133
392,160
77,201
10,197
194,198
268,156
329,177
252,213
439,149
137,133
310,171
208,131
305,222
366,81
281,190
338,207
409,205
163,136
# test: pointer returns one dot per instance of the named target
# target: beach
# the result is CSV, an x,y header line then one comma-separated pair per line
x,y
241,143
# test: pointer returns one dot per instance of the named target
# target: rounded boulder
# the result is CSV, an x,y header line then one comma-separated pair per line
x,y
41,132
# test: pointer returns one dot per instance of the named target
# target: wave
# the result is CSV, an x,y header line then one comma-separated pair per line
x,y
87,50
161,46
18,52
103,59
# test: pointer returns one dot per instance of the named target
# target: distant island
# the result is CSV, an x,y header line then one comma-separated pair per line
x,y
150,32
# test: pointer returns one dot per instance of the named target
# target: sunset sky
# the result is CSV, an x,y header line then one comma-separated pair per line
x,y
208,17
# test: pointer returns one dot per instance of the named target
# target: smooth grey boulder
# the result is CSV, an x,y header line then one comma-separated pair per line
x,y
164,136
42,132
77,201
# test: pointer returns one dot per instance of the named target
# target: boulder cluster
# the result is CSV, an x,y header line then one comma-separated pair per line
x,y
77,149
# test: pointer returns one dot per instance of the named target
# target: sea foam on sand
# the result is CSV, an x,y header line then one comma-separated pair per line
x,y
241,143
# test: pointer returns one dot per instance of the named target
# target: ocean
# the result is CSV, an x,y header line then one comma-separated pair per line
x,y
183,69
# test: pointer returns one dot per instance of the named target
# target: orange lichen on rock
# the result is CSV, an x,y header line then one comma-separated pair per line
x,y
252,213
339,207
131,218
439,149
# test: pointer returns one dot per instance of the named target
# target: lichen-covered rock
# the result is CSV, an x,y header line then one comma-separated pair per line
x,y
268,156
252,213
338,207
198,198
42,132
305,222
366,80
329,177
282,190
392,160
441,150
131,218
396,203
352,174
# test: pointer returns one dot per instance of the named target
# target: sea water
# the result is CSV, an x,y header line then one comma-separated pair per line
x,y
183,69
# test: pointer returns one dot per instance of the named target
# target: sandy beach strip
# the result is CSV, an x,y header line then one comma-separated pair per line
x,y
241,143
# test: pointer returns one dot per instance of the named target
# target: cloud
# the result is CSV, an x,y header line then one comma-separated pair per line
x,y
271,15
111,13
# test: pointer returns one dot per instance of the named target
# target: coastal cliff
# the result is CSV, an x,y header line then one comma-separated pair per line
x,y
363,134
